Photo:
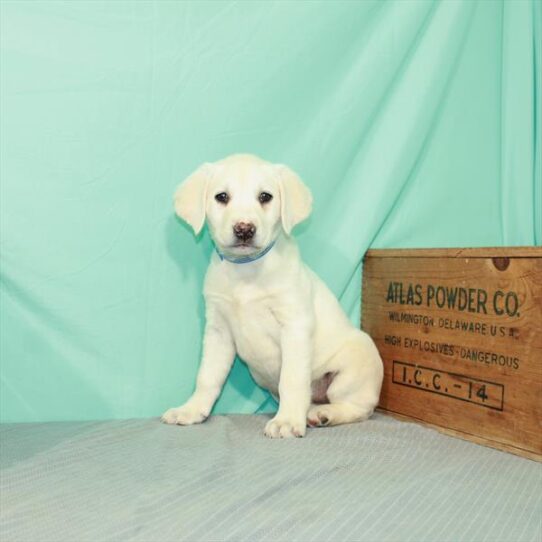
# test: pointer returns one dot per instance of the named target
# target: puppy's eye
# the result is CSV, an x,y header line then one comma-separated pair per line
x,y
265,197
222,198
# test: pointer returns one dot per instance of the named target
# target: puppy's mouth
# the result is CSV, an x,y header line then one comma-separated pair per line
x,y
244,245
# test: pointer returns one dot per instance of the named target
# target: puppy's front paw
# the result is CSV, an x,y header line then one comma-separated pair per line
x,y
284,428
184,415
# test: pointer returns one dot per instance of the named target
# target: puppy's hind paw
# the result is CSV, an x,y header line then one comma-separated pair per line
x,y
318,417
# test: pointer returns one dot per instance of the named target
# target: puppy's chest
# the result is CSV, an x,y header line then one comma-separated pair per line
x,y
251,316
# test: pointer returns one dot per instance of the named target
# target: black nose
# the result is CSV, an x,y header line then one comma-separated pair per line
x,y
244,231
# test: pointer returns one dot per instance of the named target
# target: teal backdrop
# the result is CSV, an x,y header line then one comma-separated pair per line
x,y
415,124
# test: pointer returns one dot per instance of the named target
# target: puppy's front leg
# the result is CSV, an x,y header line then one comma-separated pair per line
x,y
294,383
216,362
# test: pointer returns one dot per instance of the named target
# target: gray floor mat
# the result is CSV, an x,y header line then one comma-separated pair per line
x,y
140,480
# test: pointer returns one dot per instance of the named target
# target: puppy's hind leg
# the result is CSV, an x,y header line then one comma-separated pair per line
x,y
354,392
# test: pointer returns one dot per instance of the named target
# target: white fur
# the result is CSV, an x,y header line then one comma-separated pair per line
x,y
275,313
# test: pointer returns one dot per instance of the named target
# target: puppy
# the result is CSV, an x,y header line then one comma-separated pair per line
x,y
264,304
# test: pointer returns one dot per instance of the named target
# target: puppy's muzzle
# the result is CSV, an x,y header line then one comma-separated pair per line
x,y
244,231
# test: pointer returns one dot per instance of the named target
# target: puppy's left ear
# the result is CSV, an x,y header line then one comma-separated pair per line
x,y
190,197
295,198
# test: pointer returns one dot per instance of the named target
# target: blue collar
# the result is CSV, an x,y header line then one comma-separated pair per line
x,y
245,259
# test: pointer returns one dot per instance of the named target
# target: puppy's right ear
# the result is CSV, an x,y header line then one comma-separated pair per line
x,y
190,197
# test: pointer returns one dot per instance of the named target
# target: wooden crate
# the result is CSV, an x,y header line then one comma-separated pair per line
x,y
460,333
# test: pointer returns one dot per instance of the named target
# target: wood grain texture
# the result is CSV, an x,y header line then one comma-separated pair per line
x,y
461,339
466,436
483,252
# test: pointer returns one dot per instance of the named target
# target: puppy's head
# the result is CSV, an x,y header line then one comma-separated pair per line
x,y
245,200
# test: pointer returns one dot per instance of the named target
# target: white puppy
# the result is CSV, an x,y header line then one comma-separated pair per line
x,y
264,304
